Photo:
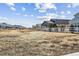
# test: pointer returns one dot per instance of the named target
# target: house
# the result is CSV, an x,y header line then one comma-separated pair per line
x,y
62,24
59,25
75,22
46,25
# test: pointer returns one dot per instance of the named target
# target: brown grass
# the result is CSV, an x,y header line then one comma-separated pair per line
x,y
28,42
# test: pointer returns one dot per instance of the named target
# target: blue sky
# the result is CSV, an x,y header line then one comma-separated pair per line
x,y
28,14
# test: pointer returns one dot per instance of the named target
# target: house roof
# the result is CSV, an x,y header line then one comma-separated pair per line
x,y
60,21
45,23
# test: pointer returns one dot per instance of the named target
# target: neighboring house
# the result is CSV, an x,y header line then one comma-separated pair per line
x,y
62,25
75,22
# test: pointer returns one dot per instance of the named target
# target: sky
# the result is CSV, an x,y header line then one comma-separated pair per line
x,y
28,14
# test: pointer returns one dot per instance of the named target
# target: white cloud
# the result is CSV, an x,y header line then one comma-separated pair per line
x,y
0,17
23,8
52,15
69,6
10,4
68,12
48,6
45,6
48,16
43,18
25,15
42,11
12,8
18,14
3,18
37,5
32,15
62,12
62,16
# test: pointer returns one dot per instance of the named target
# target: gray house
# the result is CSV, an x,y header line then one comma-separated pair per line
x,y
75,22
61,25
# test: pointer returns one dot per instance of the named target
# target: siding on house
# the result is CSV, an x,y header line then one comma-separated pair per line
x,y
75,22
62,25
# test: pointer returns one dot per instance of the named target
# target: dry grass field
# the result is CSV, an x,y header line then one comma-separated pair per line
x,y
37,43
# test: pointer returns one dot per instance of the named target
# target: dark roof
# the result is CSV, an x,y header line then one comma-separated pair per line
x,y
60,21
45,23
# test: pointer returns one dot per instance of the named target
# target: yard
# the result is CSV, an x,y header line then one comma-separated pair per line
x,y
37,43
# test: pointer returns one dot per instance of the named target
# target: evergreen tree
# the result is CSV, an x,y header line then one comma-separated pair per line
x,y
50,25
71,29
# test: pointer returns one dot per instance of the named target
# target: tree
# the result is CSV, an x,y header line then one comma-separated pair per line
x,y
71,29
62,28
51,25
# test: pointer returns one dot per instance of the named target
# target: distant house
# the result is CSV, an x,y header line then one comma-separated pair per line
x,y
5,26
75,22
9,26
